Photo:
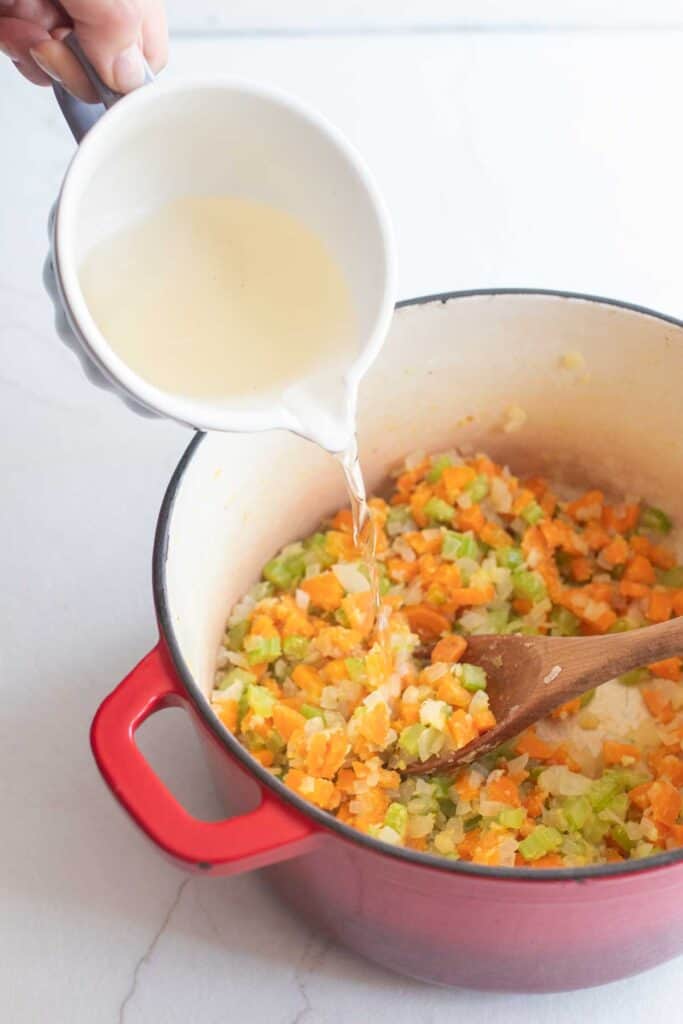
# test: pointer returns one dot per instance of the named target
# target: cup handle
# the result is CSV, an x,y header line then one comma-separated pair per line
x,y
82,116
271,833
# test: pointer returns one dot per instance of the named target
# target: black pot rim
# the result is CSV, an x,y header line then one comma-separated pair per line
x,y
322,818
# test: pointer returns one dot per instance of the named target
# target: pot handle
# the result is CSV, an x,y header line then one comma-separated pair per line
x,y
268,834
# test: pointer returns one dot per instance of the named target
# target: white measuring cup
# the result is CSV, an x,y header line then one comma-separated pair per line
x,y
210,137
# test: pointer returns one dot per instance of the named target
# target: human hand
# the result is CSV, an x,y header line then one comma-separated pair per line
x,y
114,34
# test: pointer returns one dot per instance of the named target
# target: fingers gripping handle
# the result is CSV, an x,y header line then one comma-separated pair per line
x,y
82,116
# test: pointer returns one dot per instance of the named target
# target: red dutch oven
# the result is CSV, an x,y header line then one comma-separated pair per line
x,y
451,367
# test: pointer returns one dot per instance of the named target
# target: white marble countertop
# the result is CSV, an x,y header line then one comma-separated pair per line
x,y
540,158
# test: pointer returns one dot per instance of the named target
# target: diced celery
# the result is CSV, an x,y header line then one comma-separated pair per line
x,y
356,669
439,511
622,838
594,831
635,676
341,618
260,700
285,571
262,648
510,558
459,545
497,620
275,742
438,466
528,585
442,786
384,581
586,698
237,633
540,841
532,513
654,519
512,817
672,577
473,677
397,818
577,811
564,622
236,675
397,519
618,806
478,489
316,548
471,823
310,711
295,647
620,626
409,738
604,790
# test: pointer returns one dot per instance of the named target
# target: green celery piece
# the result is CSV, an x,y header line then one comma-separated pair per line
x,y
438,465
439,511
603,790
397,818
398,515
635,676
586,698
309,711
442,786
409,738
654,519
594,831
243,705
564,622
577,810
275,742
236,635
285,571
295,647
498,620
236,675
472,823
356,669
316,545
512,817
620,626
532,513
473,677
478,489
529,585
672,577
510,557
540,841
622,838
260,700
459,545
341,618
618,805
262,649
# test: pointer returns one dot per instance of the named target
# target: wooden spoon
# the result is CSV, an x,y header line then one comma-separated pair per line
x,y
528,676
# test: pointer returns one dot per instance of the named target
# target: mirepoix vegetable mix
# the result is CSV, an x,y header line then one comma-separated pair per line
x,y
465,547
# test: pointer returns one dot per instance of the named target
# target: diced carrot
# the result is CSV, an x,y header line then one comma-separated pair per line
x,y
469,844
677,599
426,622
662,557
374,724
421,545
522,500
639,570
462,596
522,605
462,728
227,712
418,500
455,479
581,569
453,692
449,649
665,801
401,571
595,536
660,606
530,743
263,625
640,795
495,536
504,791
484,465
621,518
359,610
570,707
464,788
308,680
550,860
471,519
658,706
616,552
667,766
325,591
335,671
636,590
483,719
326,753
538,485
343,521
286,720
613,856
534,804
619,753
670,668
588,506
265,757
